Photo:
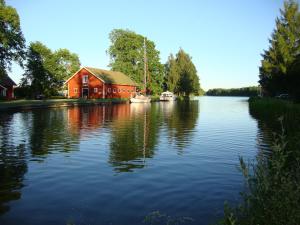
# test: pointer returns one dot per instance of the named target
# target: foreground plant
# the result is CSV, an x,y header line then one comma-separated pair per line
x,y
272,184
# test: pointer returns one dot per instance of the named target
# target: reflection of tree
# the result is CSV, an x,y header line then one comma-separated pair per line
x,y
182,121
13,165
133,139
49,130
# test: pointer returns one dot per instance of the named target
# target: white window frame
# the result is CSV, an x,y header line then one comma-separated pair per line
x,y
85,79
114,90
76,90
95,90
108,90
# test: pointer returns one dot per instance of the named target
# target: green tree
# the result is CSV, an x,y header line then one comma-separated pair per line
x,y
127,55
12,42
65,64
294,79
284,47
181,75
68,63
45,71
37,74
172,74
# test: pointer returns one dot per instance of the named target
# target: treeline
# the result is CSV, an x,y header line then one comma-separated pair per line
x,y
46,70
280,67
245,91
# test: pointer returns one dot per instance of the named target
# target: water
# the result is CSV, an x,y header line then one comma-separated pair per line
x,y
117,164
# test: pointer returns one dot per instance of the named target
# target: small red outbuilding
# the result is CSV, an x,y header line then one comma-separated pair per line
x,y
91,82
7,87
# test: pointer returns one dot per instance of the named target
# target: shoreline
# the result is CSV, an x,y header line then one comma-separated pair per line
x,y
55,103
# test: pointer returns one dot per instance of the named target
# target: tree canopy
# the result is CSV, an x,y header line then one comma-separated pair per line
x,y
181,75
127,55
283,51
12,42
46,71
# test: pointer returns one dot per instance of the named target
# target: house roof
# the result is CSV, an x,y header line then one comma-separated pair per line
x,y
111,77
6,81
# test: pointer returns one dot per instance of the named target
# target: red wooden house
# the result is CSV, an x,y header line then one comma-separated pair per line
x,y
7,87
97,83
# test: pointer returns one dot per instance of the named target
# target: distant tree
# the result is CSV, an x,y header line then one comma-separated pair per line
x,y
284,47
12,42
45,71
201,92
127,55
245,91
181,75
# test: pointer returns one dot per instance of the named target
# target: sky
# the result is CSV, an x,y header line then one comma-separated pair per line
x,y
224,38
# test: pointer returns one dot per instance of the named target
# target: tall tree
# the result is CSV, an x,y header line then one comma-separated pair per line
x,y
284,47
181,75
172,74
12,42
37,74
45,71
127,55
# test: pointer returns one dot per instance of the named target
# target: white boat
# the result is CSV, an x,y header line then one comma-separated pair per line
x,y
167,96
139,98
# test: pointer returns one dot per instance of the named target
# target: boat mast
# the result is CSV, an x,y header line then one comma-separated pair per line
x,y
145,66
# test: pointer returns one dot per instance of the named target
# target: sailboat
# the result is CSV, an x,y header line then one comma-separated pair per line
x,y
140,98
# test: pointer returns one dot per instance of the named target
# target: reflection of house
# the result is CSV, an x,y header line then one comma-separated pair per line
x,y
84,120
7,87
97,83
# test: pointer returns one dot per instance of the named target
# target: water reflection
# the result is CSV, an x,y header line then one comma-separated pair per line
x,y
133,139
130,132
181,121
13,164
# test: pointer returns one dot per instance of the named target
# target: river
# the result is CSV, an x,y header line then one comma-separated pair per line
x,y
116,164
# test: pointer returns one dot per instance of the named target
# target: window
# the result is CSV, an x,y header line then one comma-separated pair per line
x,y
95,90
114,90
119,90
108,90
75,90
123,90
85,79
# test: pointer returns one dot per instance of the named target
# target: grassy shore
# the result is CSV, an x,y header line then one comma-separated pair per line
x,y
272,182
52,103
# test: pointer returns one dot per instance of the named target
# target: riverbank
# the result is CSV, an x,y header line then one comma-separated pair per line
x,y
54,103
272,193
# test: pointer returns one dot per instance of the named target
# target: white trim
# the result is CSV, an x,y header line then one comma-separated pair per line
x,y
88,71
82,91
73,75
103,91
94,74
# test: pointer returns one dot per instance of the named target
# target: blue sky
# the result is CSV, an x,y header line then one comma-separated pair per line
x,y
224,38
